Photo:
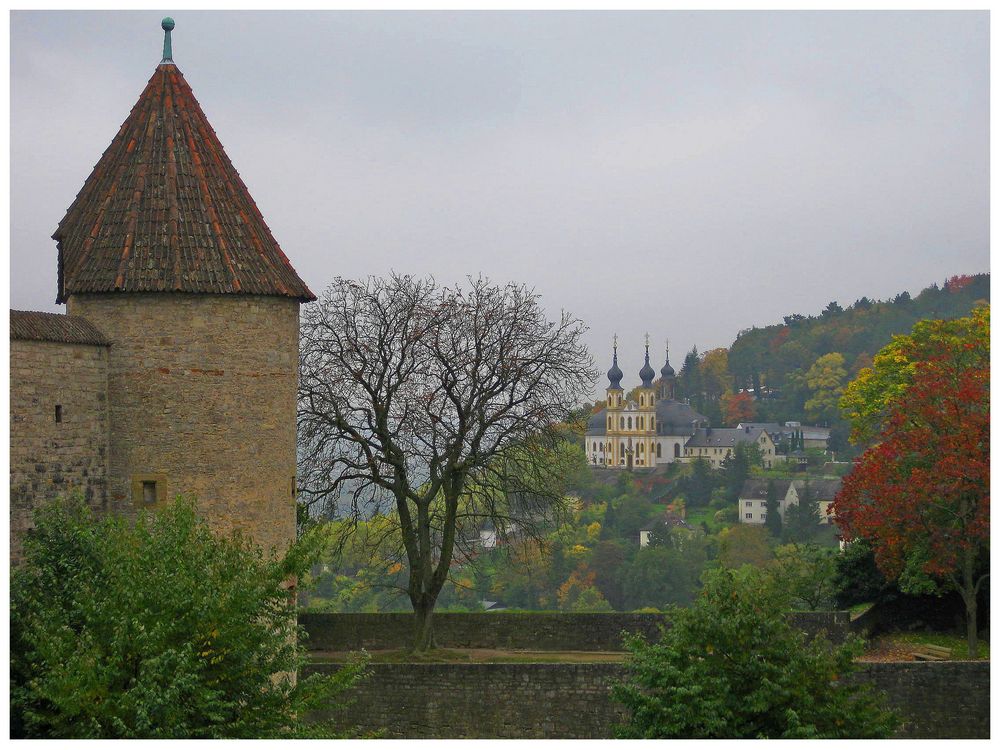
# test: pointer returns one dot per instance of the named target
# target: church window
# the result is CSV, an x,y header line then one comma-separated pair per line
x,y
642,448
621,422
630,423
652,423
642,400
59,412
659,450
609,423
677,450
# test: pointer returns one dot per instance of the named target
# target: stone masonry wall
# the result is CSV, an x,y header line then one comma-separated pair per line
x,y
937,700
528,631
202,394
449,701
486,701
49,458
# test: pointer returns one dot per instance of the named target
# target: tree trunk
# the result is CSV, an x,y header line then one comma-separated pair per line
x,y
969,591
423,631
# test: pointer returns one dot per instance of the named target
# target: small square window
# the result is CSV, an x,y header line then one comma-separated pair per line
x,y
59,412
149,493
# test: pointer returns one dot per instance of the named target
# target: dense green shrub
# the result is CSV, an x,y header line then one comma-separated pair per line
x,y
157,629
732,667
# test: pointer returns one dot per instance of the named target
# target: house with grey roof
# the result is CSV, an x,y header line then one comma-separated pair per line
x,y
716,444
752,502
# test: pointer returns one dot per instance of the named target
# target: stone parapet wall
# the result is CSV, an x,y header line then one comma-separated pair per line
x,y
527,631
530,701
49,459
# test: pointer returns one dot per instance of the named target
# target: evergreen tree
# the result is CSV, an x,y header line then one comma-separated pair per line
x,y
699,485
690,379
802,520
773,520
736,468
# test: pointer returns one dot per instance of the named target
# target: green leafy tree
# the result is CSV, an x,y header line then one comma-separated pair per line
x,y
158,629
744,545
666,573
808,573
731,666
857,579
607,561
826,380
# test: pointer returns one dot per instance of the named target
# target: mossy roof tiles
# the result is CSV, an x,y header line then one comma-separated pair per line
x,y
165,210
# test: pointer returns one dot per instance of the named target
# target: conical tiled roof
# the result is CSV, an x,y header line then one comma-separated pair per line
x,y
165,211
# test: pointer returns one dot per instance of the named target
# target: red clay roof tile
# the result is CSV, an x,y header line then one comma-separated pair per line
x,y
166,211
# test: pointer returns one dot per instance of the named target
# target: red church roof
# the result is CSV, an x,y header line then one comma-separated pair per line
x,y
166,211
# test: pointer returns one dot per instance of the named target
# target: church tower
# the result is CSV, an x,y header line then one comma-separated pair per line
x,y
166,253
645,418
615,452
667,379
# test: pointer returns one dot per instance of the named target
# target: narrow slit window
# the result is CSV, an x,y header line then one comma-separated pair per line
x,y
59,412
149,493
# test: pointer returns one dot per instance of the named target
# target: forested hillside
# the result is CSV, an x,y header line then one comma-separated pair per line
x,y
796,370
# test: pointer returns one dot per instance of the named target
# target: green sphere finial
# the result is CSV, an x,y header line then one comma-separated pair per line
x,y
167,24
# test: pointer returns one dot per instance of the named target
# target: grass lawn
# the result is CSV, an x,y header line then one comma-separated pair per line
x,y
900,646
695,516
957,644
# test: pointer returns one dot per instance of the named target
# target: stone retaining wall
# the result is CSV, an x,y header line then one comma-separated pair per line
x,y
447,701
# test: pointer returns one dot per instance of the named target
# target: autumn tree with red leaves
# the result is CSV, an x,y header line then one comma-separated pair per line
x,y
738,408
920,494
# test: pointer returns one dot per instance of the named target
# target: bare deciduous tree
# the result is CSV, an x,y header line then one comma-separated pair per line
x,y
444,406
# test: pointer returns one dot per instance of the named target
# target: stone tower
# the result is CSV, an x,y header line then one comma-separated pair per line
x,y
166,254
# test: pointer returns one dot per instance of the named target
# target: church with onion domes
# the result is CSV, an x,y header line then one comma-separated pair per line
x,y
650,429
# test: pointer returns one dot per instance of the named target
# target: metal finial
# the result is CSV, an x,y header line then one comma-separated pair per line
x,y
615,342
647,342
167,24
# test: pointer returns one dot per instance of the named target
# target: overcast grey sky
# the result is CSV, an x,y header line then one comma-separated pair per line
x,y
685,174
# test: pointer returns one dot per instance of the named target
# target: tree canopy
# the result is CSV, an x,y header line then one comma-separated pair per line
x,y
443,404
920,495
730,666
158,629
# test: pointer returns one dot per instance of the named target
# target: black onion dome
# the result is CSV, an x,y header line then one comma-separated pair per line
x,y
647,373
615,374
667,371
